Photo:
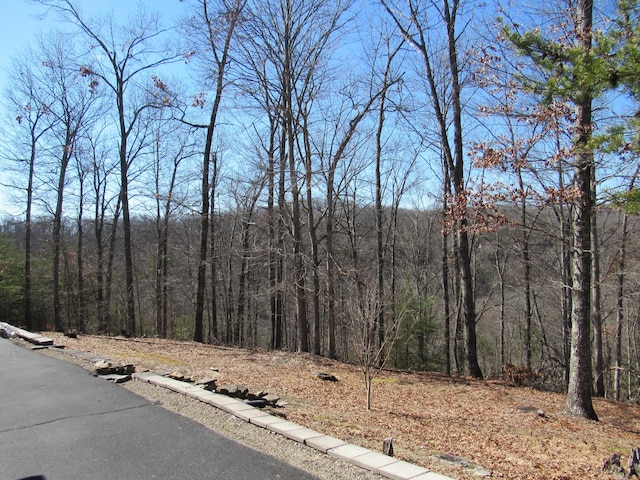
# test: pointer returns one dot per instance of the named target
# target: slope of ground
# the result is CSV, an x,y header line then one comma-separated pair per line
x,y
497,426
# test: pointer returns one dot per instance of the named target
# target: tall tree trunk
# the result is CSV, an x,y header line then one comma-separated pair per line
x,y
159,246
620,307
198,333
526,270
302,335
130,326
445,272
313,238
164,284
110,260
469,307
244,313
302,331
57,228
275,244
242,285
379,213
28,318
215,259
458,339
100,209
566,277
331,300
163,214
579,402
598,363
453,153
221,61
279,324
82,309
464,248
621,274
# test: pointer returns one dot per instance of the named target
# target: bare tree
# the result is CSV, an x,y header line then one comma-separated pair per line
x,y
213,31
293,42
172,147
82,172
414,26
258,84
30,124
119,69
372,354
101,173
72,104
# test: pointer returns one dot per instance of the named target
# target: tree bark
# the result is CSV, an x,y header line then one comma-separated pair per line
x,y
57,228
82,308
28,320
579,402
598,353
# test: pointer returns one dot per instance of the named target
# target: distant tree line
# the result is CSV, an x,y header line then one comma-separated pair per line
x,y
353,181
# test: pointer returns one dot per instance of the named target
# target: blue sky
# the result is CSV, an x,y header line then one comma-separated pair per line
x,y
20,24
17,27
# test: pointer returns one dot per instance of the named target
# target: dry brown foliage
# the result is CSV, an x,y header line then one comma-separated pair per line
x,y
517,433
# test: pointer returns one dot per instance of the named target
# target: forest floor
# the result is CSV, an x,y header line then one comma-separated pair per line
x,y
513,432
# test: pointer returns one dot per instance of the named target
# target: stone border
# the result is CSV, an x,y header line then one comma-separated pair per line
x,y
35,338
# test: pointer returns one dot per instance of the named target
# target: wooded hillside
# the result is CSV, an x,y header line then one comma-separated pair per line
x,y
355,181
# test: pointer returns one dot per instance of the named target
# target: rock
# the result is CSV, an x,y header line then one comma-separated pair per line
x,y
387,446
634,462
115,378
327,377
259,403
208,384
612,465
271,399
528,409
465,463
104,367
233,390
6,332
260,395
180,376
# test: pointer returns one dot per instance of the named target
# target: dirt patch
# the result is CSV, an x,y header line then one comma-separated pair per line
x,y
427,415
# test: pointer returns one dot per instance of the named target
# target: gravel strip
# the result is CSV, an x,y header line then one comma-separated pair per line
x,y
293,453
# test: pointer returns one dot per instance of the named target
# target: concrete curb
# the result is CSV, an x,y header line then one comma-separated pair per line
x,y
375,462
35,338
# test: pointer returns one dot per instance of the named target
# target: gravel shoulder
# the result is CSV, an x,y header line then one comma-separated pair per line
x,y
294,453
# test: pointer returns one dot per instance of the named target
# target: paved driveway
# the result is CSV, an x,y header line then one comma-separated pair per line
x,y
58,422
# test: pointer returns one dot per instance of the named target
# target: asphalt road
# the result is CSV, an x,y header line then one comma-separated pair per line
x,y
57,422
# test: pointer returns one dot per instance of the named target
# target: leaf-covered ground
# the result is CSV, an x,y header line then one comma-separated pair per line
x,y
497,426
